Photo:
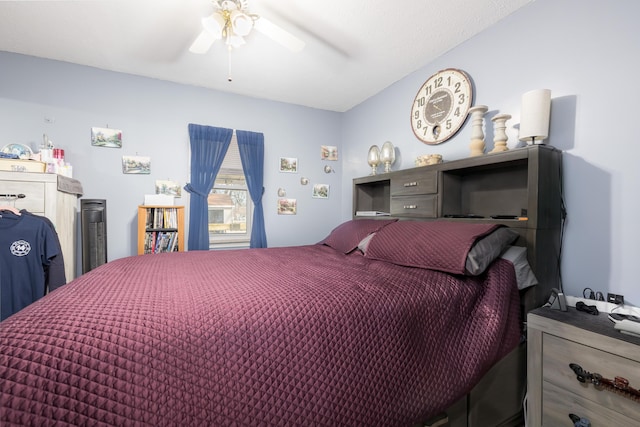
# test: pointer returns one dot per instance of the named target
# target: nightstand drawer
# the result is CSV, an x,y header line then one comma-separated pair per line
x,y
415,206
415,182
558,353
559,403
555,339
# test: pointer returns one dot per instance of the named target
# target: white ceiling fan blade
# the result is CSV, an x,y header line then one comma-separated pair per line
x,y
202,43
279,35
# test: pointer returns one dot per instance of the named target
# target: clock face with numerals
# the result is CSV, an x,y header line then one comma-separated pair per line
x,y
441,106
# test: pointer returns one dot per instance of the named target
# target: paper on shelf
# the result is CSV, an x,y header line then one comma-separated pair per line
x,y
158,200
372,213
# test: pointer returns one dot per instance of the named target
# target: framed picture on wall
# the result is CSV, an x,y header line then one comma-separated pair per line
x,y
136,165
321,191
328,152
289,164
287,206
170,188
105,137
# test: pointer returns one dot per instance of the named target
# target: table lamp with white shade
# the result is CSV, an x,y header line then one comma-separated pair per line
x,y
534,116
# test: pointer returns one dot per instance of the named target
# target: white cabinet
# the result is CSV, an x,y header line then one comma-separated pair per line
x,y
53,196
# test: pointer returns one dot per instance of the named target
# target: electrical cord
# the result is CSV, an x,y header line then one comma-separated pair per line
x,y
592,294
591,309
563,220
616,307
598,296
524,409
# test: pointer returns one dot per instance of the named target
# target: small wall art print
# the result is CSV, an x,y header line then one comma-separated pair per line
x,y
170,188
289,164
287,206
136,165
321,191
105,137
328,152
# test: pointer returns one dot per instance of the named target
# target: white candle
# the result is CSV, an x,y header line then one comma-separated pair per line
x,y
534,115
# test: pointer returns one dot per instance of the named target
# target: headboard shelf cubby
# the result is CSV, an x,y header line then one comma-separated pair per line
x,y
521,188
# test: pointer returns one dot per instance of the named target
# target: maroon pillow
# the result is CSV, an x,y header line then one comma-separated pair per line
x,y
346,236
436,245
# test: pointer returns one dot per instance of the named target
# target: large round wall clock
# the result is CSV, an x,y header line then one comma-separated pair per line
x,y
441,106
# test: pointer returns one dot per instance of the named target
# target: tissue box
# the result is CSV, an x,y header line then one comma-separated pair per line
x,y
158,200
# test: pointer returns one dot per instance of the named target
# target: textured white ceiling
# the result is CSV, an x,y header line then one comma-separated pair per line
x,y
354,48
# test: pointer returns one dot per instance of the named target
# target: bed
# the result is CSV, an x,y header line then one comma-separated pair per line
x,y
384,322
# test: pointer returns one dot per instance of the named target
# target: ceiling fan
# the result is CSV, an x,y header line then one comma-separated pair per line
x,y
231,21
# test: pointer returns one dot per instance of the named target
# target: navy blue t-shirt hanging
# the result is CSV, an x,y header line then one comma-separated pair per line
x,y
27,245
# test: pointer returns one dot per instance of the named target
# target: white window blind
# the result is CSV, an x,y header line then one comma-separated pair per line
x,y
232,165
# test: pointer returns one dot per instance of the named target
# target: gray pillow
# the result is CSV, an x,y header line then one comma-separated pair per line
x,y
487,249
517,255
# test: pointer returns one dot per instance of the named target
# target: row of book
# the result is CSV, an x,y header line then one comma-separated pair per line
x,y
162,218
156,242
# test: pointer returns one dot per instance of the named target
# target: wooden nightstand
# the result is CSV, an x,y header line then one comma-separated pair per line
x,y
557,339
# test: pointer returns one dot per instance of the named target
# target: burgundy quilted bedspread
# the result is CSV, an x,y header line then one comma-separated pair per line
x,y
281,336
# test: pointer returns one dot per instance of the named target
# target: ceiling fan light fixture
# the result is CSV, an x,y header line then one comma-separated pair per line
x,y
241,23
231,22
235,41
214,24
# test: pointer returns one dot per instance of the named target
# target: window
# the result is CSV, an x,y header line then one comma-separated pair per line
x,y
230,208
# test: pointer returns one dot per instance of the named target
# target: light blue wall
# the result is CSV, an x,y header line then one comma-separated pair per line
x,y
585,52
588,54
153,116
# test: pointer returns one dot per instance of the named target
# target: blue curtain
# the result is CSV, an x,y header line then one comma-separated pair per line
x,y
208,147
251,147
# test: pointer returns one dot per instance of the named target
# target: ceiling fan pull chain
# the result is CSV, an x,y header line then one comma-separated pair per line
x,y
229,61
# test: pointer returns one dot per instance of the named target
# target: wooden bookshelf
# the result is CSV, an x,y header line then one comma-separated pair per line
x,y
160,229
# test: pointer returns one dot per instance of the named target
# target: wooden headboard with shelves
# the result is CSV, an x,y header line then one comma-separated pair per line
x,y
520,188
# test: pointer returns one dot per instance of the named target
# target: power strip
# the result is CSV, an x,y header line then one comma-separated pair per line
x,y
603,306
